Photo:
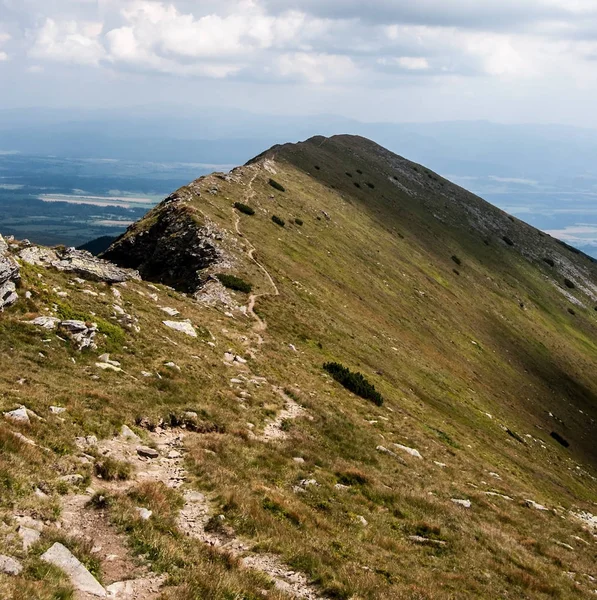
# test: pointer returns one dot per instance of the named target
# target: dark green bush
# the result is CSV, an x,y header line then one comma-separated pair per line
x,y
549,261
278,221
299,222
357,184
569,284
354,381
348,174
276,185
244,208
370,185
232,282
456,260
359,171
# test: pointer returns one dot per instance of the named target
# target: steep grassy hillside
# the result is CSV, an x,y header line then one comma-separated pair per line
x,y
474,478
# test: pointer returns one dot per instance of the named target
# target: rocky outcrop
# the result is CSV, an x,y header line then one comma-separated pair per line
x,y
9,275
171,245
80,262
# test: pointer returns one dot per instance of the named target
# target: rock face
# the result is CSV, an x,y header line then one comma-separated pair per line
x,y
9,274
79,262
60,556
170,245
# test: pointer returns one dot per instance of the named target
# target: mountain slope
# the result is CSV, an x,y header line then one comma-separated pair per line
x,y
477,330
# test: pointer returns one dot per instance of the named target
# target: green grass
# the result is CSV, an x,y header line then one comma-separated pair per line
x,y
374,286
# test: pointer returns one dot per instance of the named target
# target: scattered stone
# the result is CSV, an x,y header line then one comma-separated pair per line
x,y
29,536
173,454
465,503
441,465
128,434
309,483
80,332
498,495
105,358
172,312
145,373
45,322
408,450
19,415
60,556
535,505
563,545
240,359
172,365
147,452
9,565
299,460
74,479
144,514
341,486
229,357
57,410
108,367
417,539
362,520
183,326
121,589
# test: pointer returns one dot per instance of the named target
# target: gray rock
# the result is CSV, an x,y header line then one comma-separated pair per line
x,y
172,312
28,535
147,452
9,274
82,580
19,415
408,450
465,503
10,566
144,514
128,434
57,410
45,322
74,479
182,326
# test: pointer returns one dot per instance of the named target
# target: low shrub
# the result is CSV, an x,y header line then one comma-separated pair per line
x,y
359,171
317,167
232,282
456,260
110,469
354,382
276,185
357,184
370,185
278,221
348,174
244,208
549,261
299,222
569,284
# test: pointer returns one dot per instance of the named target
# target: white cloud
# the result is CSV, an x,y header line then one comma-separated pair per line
x,y
316,68
69,41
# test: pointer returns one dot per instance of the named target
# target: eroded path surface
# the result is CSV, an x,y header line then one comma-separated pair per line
x,y
135,581
260,324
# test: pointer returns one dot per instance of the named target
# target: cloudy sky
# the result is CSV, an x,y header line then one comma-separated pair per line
x,y
399,60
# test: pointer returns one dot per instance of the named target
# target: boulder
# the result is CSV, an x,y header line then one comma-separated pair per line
x,y
10,566
408,450
82,580
28,535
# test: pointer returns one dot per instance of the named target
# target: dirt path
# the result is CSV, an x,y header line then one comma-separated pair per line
x,y
292,410
260,324
196,519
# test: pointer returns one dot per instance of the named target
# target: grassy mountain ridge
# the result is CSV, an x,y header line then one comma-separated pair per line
x,y
470,338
